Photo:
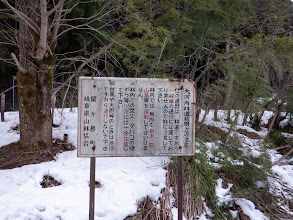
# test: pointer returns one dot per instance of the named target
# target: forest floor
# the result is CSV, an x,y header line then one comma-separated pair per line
x,y
12,155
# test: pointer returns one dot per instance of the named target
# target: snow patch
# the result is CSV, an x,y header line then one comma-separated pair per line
x,y
222,193
249,209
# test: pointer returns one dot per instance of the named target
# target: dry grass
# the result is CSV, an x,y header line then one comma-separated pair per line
x,y
161,209
49,181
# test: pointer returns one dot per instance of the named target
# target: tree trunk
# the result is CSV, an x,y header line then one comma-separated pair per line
x,y
271,123
216,109
276,125
198,111
205,115
34,110
34,83
246,113
229,97
257,121
232,127
228,115
258,117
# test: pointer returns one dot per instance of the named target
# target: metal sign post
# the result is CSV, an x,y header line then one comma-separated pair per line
x,y
133,117
92,188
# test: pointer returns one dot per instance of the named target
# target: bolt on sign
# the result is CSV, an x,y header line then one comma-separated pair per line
x,y
135,117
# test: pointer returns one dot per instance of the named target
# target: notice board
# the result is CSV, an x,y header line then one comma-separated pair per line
x,y
135,117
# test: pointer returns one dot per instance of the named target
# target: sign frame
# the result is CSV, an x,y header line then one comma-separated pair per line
x,y
88,86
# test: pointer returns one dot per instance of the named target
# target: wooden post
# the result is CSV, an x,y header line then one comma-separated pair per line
x,y
2,106
65,138
180,188
92,188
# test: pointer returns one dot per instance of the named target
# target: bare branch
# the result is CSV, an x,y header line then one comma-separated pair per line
x,y
81,66
23,17
19,67
57,21
88,21
42,44
56,8
8,61
8,38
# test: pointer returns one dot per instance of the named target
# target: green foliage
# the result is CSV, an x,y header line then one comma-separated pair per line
x,y
210,134
199,177
148,24
143,43
157,75
197,167
250,182
277,138
288,98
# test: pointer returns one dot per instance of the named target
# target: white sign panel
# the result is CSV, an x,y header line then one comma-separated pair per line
x,y
135,117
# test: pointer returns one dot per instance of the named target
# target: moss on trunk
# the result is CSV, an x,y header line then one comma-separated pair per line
x,y
35,110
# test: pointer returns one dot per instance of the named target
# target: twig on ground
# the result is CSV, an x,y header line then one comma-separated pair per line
x,y
282,158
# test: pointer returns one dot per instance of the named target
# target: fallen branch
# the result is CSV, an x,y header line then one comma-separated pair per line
x,y
282,158
282,147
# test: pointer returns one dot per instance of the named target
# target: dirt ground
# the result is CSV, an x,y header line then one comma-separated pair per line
x,y
12,155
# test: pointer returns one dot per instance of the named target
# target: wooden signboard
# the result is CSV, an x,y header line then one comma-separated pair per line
x,y
135,117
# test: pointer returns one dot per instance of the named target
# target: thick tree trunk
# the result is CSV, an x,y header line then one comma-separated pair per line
x,y
34,110
34,82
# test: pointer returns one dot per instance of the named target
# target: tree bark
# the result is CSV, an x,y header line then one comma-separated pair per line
x,y
198,111
246,113
205,115
34,84
229,97
276,125
228,115
216,109
270,125
34,111
258,117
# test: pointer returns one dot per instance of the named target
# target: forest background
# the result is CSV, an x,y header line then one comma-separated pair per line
x,y
239,53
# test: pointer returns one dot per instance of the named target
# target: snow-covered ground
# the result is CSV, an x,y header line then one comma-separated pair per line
x,y
125,181
281,185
